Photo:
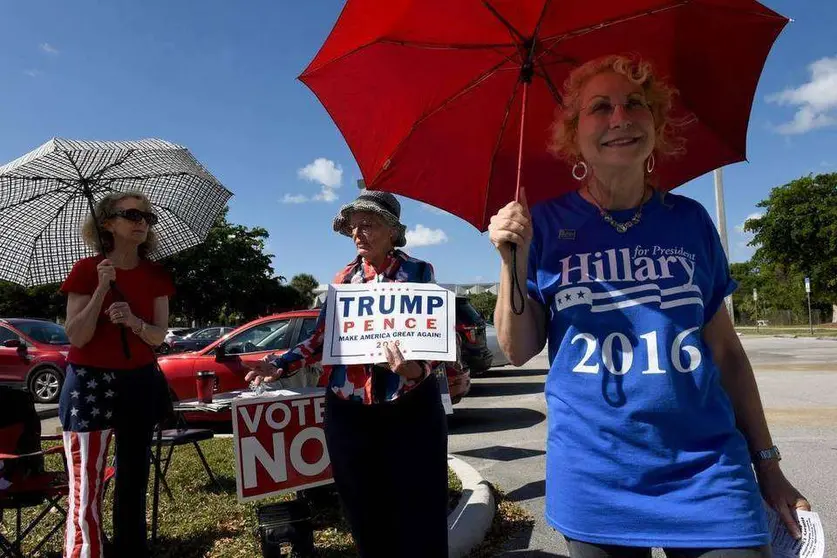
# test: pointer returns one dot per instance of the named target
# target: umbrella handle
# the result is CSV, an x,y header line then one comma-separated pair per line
x,y
517,291
123,333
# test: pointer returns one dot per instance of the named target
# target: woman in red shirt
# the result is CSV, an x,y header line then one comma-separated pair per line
x,y
107,392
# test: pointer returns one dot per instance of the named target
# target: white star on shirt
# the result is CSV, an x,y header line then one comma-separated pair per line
x,y
74,412
94,411
81,372
92,384
74,394
108,414
82,424
109,378
90,399
110,393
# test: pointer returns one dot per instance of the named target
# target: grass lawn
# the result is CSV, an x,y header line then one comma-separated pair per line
x,y
204,521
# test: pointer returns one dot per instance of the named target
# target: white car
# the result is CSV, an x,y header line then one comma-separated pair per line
x,y
497,356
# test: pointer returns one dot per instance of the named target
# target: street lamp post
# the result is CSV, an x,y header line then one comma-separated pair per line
x,y
756,301
720,212
808,293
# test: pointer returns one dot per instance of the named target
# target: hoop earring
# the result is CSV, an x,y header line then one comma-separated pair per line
x,y
577,174
650,164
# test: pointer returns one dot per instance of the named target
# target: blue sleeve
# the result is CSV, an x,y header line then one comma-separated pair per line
x,y
723,284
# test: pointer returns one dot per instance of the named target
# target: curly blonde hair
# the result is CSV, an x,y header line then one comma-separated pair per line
x,y
106,209
659,96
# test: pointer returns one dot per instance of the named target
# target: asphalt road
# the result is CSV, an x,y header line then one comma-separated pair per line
x,y
500,429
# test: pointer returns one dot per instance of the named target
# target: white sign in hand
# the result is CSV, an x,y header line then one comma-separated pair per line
x,y
419,318
812,543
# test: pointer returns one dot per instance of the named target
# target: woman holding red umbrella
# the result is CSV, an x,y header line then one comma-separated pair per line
x,y
657,433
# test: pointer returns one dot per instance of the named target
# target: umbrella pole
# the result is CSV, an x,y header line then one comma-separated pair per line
x,y
517,291
117,294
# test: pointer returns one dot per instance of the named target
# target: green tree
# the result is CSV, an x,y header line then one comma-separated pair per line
x,y
484,303
228,277
797,235
305,283
37,302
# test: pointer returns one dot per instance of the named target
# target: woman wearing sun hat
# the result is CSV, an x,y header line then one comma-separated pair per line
x,y
385,425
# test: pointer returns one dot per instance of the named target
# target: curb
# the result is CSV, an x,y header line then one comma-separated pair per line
x,y
48,413
469,522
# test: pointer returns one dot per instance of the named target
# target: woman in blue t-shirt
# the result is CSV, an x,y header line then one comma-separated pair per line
x,y
657,435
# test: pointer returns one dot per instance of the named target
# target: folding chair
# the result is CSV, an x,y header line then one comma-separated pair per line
x,y
24,483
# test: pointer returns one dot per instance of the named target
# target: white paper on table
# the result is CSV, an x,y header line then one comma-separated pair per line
x,y
812,543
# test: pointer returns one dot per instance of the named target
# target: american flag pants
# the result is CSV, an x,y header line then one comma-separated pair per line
x,y
95,404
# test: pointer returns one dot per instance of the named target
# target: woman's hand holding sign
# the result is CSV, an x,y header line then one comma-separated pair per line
x,y
409,369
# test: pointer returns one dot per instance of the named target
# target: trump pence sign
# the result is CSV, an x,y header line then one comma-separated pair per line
x,y
279,444
362,319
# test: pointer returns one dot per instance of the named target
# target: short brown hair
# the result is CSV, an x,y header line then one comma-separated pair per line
x,y
106,209
659,96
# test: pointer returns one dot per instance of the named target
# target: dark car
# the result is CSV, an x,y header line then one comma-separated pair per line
x,y
174,334
33,355
230,358
199,339
470,326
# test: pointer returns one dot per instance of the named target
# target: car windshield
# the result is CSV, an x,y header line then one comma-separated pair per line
x,y
43,332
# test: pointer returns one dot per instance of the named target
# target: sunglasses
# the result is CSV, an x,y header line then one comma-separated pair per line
x,y
135,216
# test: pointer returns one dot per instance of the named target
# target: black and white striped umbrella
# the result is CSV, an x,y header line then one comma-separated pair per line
x,y
45,197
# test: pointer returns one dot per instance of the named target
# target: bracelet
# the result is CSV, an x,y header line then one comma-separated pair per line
x,y
140,329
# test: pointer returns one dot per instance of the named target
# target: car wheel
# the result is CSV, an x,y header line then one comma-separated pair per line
x,y
45,385
164,349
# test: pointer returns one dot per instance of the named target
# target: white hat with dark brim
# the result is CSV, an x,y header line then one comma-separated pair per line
x,y
380,203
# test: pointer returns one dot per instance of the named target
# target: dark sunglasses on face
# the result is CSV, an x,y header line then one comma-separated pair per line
x,y
135,216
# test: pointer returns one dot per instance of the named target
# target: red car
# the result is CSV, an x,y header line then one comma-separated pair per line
x,y
33,355
229,356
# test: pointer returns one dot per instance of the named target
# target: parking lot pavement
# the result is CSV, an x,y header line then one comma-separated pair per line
x,y
500,429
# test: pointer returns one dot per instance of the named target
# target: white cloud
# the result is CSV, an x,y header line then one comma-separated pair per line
x,y
424,236
48,48
322,171
32,73
816,101
297,198
740,227
327,195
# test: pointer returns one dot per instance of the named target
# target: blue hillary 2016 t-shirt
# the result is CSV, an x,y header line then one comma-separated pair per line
x,y
642,447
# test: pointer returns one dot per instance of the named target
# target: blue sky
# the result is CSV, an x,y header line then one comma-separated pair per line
x,y
219,77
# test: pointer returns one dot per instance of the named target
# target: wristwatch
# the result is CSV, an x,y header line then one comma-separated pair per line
x,y
767,454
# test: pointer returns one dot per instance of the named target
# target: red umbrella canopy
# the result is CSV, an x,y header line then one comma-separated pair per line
x,y
428,93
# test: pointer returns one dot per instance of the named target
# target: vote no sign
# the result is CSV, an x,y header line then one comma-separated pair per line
x,y
362,319
279,444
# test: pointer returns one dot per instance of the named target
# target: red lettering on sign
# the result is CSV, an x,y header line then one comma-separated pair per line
x,y
410,323
347,325
368,325
389,323
431,323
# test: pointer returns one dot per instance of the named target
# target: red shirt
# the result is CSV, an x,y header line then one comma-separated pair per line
x,y
140,286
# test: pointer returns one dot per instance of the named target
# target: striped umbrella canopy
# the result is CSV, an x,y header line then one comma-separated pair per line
x,y
46,195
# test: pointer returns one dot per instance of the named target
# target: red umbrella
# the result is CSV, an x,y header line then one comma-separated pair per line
x,y
432,95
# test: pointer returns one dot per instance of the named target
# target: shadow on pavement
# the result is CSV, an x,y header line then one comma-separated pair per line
x,y
474,421
529,491
491,389
512,372
501,453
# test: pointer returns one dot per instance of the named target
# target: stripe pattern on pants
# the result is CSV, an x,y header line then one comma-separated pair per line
x,y
86,458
